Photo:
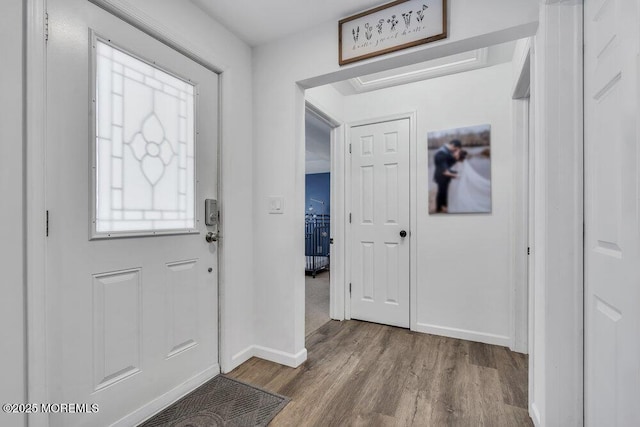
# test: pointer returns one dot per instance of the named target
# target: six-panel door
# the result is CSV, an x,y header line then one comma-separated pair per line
x,y
379,215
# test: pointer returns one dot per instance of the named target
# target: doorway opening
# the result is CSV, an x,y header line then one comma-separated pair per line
x,y
317,216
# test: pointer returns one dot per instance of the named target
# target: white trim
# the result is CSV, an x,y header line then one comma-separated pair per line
x,y
413,221
463,334
337,276
531,209
318,111
521,212
413,209
518,225
134,16
270,354
35,137
382,119
347,229
535,415
223,358
522,66
160,403
558,352
281,357
240,357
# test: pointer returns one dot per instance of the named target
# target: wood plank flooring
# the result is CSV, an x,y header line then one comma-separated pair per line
x,y
365,374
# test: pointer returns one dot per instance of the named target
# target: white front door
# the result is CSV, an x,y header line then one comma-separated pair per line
x,y
612,241
380,232
131,157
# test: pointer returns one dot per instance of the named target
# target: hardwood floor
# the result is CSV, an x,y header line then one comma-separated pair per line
x,y
365,374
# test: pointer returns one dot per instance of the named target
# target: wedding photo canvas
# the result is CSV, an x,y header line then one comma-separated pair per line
x,y
460,170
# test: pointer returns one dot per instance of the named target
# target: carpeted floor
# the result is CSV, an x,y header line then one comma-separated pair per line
x,y
221,401
317,302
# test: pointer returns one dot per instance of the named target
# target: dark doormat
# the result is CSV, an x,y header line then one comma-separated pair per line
x,y
222,401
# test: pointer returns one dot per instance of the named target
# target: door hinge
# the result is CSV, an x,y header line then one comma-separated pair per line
x,y
47,224
349,288
528,251
349,148
349,217
46,27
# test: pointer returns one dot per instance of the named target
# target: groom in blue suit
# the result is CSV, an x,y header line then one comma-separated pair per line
x,y
444,160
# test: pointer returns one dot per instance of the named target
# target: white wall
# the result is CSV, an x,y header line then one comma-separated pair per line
x,y
463,261
12,337
311,59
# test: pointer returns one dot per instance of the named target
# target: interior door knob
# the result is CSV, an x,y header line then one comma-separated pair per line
x,y
403,233
211,237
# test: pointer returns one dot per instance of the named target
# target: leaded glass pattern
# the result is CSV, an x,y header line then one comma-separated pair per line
x,y
145,146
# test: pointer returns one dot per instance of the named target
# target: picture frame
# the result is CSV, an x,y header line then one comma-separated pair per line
x,y
459,165
391,27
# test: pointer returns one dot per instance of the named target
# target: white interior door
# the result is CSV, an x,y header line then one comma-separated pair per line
x,y
131,157
379,218
612,241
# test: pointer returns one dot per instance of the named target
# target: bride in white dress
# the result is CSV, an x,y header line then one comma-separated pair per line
x,y
471,191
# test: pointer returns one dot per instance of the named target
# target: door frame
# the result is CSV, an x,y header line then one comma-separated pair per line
x,y
521,212
413,213
336,215
520,224
557,100
35,110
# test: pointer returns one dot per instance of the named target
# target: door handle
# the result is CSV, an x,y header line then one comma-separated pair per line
x,y
403,233
211,237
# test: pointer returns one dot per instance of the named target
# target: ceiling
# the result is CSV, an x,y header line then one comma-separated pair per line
x,y
263,21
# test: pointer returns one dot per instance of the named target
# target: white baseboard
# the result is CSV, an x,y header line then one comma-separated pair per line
x,y
519,348
277,356
156,405
463,334
241,357
281,357
535,415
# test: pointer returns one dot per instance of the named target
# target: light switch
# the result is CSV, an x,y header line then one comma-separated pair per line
x,y
276,204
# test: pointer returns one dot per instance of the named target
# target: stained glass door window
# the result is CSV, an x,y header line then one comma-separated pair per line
x,y
144,147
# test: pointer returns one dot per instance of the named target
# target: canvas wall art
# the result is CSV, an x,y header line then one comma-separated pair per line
x,y
460,170
398,25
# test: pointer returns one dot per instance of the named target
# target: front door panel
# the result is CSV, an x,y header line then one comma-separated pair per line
x,y
131,157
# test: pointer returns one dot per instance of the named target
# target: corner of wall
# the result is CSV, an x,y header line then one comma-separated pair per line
x,y
283,358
